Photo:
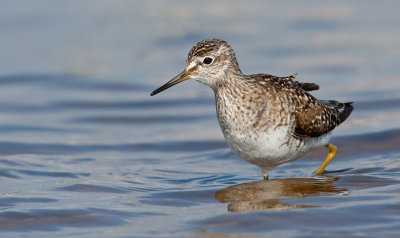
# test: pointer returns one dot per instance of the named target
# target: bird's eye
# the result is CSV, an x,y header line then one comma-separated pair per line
x,y
207,60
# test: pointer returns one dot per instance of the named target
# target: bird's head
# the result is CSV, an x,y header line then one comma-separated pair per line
x,y
210,62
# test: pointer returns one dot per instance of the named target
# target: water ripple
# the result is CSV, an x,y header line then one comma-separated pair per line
x,y
12,201
71,81
52,220
13,148
179,199
145,104
142,119
89,188
20,107
23,128
51,173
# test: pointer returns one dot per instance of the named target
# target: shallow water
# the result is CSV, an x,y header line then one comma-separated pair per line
x,y
86,152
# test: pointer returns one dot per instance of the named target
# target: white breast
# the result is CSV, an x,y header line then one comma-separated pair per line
x,y
271,148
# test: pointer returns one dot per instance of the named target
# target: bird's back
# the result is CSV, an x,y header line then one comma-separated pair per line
x,y
312,117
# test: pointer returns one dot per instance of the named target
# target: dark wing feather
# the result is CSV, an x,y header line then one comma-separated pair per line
x,y
313,118
320,117
308,86
288,81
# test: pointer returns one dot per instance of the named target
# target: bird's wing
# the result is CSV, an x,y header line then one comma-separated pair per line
x,y
315,118
308,86
287,81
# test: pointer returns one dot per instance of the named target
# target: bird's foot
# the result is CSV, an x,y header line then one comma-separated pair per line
x,y
265,173
329,158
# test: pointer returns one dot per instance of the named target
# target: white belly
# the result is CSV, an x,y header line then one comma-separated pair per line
x,y
272,148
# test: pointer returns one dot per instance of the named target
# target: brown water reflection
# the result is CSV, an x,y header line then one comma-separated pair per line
x,y
268,194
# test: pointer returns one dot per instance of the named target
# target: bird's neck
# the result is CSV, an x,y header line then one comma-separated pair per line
x,y
226,79
231,104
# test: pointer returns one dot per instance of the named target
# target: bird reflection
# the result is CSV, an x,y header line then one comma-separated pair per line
x,y
268,194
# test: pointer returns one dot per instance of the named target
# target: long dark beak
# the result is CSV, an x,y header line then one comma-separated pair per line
x,y
179,78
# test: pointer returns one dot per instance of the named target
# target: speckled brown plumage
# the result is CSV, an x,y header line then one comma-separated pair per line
x,y
266,120
313,117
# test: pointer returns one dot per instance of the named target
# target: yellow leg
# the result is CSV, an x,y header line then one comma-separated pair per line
x,y
329,158
265,173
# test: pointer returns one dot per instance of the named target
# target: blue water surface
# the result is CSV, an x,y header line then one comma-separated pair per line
x,y
86,152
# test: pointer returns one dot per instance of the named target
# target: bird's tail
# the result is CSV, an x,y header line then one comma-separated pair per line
x,y
345,111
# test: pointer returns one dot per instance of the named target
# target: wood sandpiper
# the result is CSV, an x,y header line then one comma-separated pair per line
x,y
266,120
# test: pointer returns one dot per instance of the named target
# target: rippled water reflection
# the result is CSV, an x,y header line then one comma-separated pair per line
x,y
85,152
